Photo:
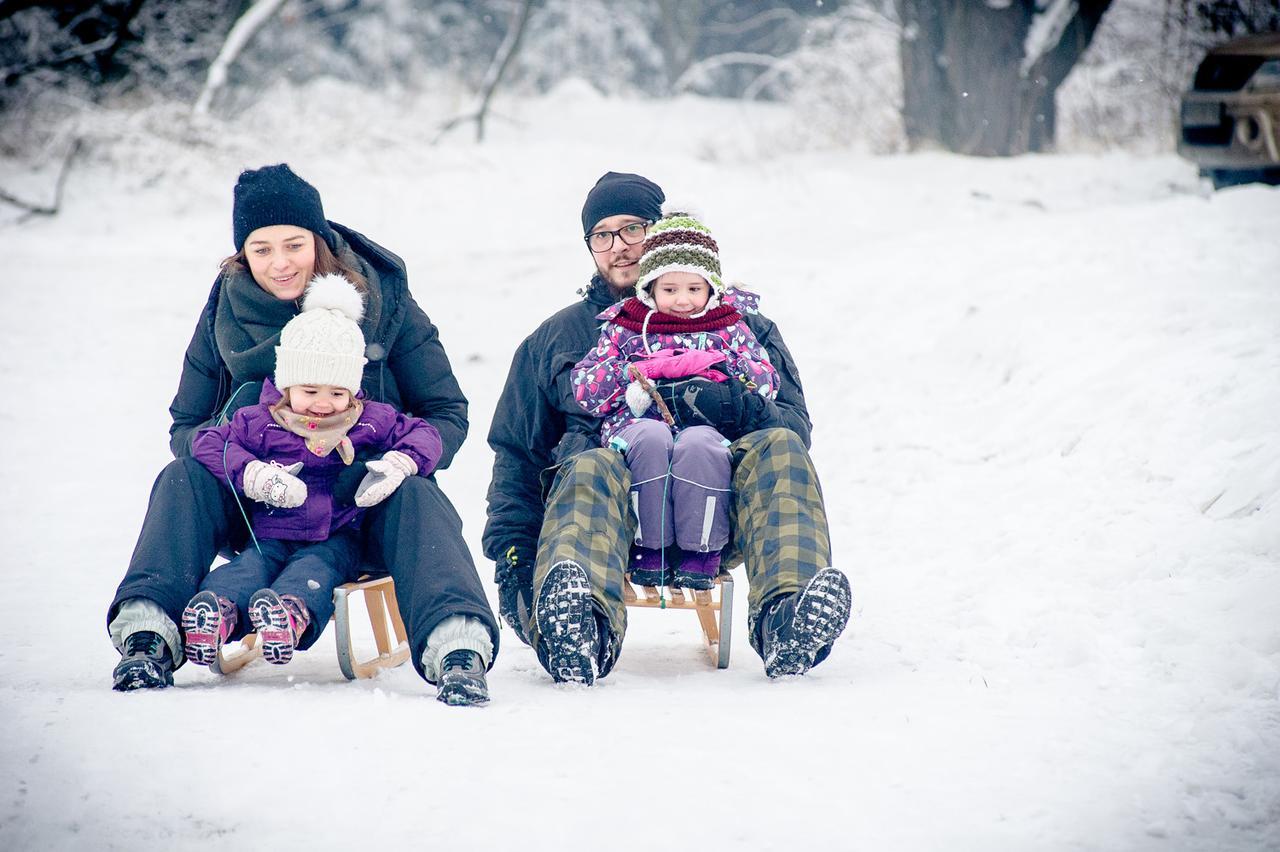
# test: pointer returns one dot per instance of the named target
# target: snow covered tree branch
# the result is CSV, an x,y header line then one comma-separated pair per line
x,y
241,33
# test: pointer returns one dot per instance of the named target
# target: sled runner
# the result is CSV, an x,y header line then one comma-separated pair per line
x,y
379,600
714,610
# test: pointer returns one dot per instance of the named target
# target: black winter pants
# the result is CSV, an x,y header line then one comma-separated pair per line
x,y
415,535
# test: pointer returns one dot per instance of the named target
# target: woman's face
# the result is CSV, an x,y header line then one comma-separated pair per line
x,y
281,258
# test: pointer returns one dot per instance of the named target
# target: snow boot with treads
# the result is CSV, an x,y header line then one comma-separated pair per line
x,y
145,663
798,630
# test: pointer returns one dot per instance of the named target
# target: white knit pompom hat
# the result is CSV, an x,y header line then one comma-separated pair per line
x,y
323,345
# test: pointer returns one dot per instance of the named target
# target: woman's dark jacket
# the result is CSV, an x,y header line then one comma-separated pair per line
x,y
407,368
538,423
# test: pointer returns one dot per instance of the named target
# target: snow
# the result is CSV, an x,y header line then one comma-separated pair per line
x,y
1045,395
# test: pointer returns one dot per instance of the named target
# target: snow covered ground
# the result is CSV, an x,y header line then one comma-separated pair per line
x,y
1046,393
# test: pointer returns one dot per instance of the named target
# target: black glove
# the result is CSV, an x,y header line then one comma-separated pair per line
x,y
725,406
728,407
514,576
349,478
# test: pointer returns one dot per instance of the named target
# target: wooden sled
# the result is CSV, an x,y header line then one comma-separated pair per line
x,y
379,600
714,611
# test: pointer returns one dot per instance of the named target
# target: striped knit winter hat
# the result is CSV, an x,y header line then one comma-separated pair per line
x,y
678,242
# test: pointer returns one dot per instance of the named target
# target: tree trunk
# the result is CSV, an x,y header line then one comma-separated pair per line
x,y
679,22
969,84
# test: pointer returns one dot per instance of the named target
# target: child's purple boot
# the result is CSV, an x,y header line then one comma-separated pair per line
x,y
646,567
698,570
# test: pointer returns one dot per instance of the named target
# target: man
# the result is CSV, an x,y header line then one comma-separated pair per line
x,y
560,524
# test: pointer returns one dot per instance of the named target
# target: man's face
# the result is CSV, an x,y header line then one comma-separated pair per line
x,y
620,265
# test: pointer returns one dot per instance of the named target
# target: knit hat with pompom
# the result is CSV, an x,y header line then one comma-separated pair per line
x,y
678,242
323,345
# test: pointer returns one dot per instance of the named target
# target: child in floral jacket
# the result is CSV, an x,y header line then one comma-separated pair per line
x,y
682,322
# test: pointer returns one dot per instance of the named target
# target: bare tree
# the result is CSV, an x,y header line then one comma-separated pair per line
x,y
241,33
74,34
980,78
497,68
36,209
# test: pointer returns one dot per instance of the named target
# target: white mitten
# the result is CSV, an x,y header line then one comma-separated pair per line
x,y
275,484
384,477
638,399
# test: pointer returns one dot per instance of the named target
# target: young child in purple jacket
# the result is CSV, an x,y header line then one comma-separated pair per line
x,y
682,322
284,454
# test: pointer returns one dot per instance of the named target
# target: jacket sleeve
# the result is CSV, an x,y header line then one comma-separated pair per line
x,y
417,439
524,429
427,385
752,362
202,388
225,450
788,410
600,379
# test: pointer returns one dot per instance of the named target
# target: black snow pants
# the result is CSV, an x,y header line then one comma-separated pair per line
x,y
415,535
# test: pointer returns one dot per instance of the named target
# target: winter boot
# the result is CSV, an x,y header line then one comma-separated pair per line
x,y
280,621
569,640
462,679
206,623
145,663
646,567
698,570
797,630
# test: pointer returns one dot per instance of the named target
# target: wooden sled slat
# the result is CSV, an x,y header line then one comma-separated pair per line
x,y
714,612
379,600
382,606
226,663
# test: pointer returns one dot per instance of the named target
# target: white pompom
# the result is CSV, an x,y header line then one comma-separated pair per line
x,y
638,399
334,292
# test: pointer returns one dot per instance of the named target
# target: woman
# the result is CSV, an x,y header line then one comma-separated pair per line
x,y
282,240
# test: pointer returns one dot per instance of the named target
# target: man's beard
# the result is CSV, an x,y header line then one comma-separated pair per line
x,y
621,291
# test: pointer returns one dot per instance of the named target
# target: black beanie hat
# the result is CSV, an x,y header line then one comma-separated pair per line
x,y
274,195
621,193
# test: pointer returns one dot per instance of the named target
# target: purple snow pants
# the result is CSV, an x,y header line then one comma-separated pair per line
x,y
680,485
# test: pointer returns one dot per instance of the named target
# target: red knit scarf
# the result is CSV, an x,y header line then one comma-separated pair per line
x,y
633,312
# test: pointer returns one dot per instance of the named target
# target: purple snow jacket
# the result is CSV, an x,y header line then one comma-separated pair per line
x,y
600,379
254,434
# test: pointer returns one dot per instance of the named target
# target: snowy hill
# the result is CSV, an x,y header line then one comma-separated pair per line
x,y
1046,399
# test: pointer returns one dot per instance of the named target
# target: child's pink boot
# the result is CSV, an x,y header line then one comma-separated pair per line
x,y
206,623
280,621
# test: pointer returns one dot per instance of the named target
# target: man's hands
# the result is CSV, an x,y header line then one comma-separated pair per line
x,y
274,484
515,590
728,407
701,402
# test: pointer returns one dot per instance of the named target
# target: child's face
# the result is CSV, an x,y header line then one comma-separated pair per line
x,y
681,293
318,400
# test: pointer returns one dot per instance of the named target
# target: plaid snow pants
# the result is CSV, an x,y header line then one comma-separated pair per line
x,y
777,520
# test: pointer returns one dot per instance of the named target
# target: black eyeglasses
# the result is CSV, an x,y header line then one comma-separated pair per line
x,y
601,241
